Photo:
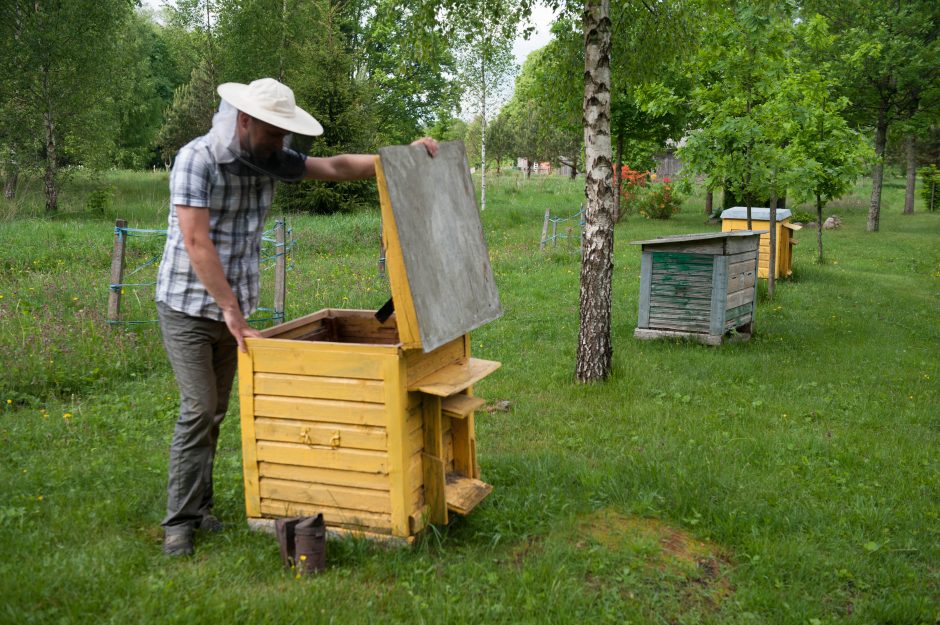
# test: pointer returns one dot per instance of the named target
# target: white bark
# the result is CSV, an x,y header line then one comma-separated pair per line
x,y
594,343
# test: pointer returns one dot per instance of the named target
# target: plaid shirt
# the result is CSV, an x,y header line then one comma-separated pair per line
x,y
237,208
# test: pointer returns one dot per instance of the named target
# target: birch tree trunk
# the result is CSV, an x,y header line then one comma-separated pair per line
x,y
9,182
483,131
51,187
877,174
911,155
597,245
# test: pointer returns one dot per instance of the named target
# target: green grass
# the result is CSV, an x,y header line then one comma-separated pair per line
x,y
791,479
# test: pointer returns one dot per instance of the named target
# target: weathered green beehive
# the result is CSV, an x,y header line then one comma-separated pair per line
x,y
698,286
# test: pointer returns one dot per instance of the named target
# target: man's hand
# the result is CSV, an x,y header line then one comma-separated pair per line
x,y
429,144
239,327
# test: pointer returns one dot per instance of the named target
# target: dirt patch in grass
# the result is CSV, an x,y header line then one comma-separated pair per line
x,y
683,573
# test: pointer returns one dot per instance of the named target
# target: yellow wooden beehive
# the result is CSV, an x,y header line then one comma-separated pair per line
x,y
372,423
735,218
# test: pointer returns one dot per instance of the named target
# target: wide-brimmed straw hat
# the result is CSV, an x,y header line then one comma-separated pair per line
x,y
272,102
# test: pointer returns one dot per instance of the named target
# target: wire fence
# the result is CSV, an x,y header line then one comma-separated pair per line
x,y
277,244
566,234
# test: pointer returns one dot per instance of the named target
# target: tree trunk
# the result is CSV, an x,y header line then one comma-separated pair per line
x,y
282,49
749,202
911,155
51,188
772,255
819,227
618,178
877,174
483,131
594,345
709,202
9,184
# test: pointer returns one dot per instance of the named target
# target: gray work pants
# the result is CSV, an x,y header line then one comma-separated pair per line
x,y
204,356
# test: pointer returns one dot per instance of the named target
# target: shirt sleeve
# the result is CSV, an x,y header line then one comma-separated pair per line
x,y
191,180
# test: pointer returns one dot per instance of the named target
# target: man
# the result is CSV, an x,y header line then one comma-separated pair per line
x,y
221,188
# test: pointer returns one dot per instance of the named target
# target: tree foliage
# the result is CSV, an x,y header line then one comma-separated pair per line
x,y
825,155
737,142
58,60
889,55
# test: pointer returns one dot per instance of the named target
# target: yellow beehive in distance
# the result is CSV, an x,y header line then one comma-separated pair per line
x,y
733,219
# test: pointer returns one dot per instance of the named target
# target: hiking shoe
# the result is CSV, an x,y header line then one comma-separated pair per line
x,y
210,523
178,543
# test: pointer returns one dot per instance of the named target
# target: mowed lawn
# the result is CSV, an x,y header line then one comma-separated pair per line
x,y
794,478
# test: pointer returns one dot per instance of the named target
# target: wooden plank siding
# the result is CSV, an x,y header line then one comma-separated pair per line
x,y
342,517
327,387
784,244
333,435
421,365
329,410
340,497
698,286
329,424
680,291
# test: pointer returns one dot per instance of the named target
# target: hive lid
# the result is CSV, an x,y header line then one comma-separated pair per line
x,y
691,238
758,213
436,256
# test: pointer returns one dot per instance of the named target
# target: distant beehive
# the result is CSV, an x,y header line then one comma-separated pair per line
x,y
735,218
698,286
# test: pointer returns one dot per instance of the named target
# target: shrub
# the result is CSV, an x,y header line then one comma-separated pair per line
x,y
631,184
930,181
659,201
803,217
100,199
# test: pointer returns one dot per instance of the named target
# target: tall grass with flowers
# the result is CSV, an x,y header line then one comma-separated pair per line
x,y
792,479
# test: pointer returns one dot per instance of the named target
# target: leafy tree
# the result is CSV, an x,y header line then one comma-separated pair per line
x,y
143,87
321,78
499,143
59,81
410,86
740,142
485,65
739,69
446,127
190,112
532,127
651,39
890,53
829,156
555,96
